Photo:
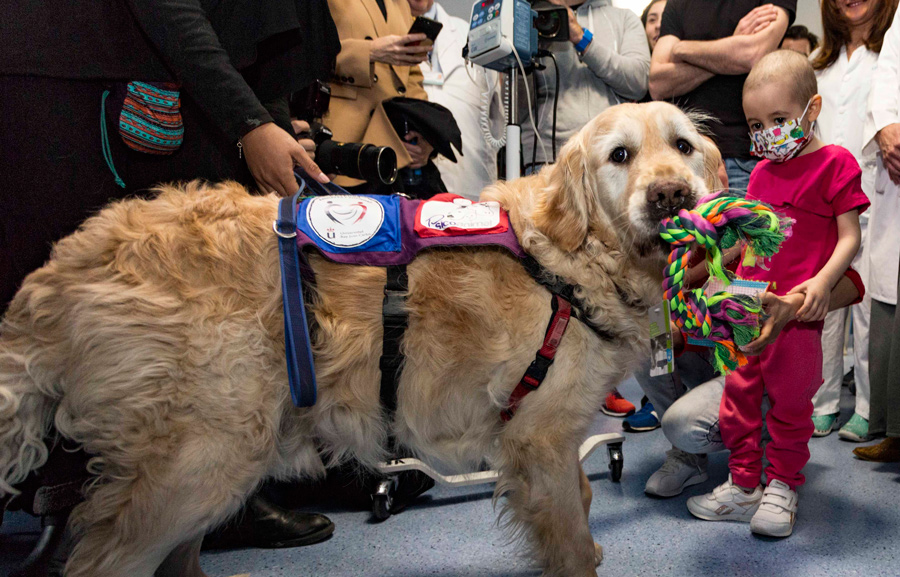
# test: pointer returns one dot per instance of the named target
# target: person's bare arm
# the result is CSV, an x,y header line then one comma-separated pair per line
x,y
668,78
782,310
735,54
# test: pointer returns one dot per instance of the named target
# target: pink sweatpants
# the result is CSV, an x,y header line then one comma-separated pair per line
x,y
790,371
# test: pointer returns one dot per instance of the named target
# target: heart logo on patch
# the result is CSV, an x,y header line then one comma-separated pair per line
x,y
346,214
345,221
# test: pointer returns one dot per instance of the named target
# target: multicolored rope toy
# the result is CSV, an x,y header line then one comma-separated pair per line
x,y
719,222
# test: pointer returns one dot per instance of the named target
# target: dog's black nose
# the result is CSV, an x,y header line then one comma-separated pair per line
x,y
668,195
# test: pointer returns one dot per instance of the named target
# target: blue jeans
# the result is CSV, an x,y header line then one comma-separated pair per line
x,y
738,171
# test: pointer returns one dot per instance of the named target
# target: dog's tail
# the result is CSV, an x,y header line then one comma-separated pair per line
x,y
26,411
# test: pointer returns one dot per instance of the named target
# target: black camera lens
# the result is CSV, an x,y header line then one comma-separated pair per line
x,y
552,21
356,160
380,160
548,24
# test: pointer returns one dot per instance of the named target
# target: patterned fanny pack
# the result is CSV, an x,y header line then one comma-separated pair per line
x,y
148,115
150,120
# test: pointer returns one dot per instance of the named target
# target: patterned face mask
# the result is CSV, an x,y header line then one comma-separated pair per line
x,y
781,143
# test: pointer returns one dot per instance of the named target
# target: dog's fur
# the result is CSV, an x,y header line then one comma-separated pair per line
x,y
154,337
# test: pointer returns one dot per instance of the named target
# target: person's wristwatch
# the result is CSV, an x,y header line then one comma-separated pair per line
x,y
584,42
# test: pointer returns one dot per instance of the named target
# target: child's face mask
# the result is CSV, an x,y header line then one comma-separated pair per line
x,y
781,143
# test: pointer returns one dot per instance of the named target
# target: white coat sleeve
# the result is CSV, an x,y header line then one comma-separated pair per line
x,y
884,103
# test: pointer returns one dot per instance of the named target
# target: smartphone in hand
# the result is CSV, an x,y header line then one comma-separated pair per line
x,y
426,26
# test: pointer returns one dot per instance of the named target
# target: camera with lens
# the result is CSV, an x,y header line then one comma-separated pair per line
x,y
552,22
376,164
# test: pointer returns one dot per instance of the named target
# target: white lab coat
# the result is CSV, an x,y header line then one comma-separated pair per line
x,y
477,168
844,87
884,222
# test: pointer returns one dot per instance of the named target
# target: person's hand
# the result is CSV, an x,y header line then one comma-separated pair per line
x,y
780,311
694,274
756,20
420,152
271,154
394,49
576,32
815,305
308,144
888,139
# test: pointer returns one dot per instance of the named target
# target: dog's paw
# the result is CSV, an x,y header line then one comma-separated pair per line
x,y
598,554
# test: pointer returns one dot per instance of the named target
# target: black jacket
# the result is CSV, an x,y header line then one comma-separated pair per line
x,y
228,55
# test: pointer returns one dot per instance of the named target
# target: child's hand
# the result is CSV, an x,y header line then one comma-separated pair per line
x,y
779,312
815,304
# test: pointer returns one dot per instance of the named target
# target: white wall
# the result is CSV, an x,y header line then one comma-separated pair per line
x,y
809,15
461,8
807,10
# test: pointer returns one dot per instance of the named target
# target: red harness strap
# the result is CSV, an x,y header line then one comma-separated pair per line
x,y
537,371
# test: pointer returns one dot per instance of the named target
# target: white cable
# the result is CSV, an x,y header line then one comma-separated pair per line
x,y
484,120
468,73
537,136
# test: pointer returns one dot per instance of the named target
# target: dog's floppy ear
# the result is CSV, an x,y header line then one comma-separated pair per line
x,y
563,210
713,165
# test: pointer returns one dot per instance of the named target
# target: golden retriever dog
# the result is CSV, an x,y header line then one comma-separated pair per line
x,y
154,338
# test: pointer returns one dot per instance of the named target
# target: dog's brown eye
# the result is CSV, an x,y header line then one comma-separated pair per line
x,y
684,147
619,155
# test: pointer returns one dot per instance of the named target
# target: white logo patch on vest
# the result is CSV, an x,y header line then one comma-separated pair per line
x,y
345,221
461,213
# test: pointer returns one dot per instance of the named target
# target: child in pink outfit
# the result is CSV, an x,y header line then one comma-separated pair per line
x,y
819,188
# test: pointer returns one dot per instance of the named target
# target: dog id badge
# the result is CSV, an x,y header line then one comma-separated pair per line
x,y
662,353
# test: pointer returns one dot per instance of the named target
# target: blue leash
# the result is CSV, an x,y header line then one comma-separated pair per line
x,y
298,350
297,346
314,187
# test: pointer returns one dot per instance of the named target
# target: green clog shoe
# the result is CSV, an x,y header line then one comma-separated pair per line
x,y
823,424
856,430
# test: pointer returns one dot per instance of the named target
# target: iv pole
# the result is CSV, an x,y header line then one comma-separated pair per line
x,y
513,130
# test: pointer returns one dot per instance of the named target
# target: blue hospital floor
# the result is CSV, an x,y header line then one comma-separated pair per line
x,y
848,524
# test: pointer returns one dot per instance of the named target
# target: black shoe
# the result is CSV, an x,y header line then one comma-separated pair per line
x,y
264,525
849,378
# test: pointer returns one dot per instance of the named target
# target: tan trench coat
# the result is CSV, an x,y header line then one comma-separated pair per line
x,y
359,86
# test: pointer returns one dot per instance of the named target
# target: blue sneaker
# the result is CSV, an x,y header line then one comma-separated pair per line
x,y
644,420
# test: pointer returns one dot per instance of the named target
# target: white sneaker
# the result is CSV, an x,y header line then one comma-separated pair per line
x,y
727,502
680,470
777,511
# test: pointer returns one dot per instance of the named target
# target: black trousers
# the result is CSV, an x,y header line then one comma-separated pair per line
x,y
53,175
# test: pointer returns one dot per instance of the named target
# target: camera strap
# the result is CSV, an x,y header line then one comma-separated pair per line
x,y
298,350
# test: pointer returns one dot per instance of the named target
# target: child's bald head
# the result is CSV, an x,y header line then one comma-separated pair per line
x,y
790,69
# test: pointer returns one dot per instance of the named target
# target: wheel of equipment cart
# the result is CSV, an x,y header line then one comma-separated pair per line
x,y
616,461
382,499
